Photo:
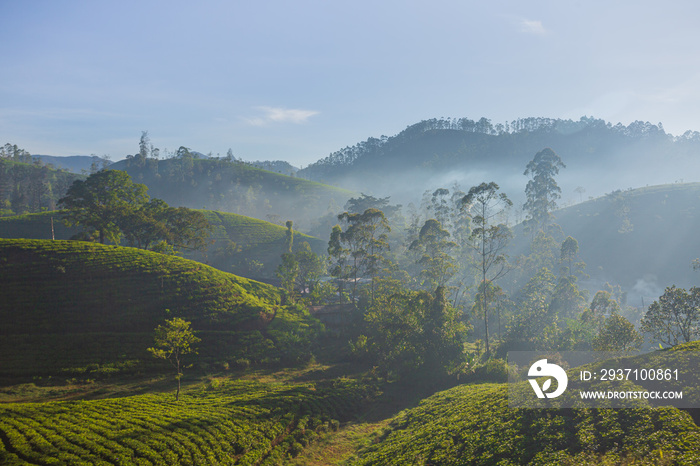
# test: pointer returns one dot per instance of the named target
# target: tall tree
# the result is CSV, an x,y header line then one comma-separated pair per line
x,y
432,246
338,257
569,249
542,191
289,237
366,239
488,240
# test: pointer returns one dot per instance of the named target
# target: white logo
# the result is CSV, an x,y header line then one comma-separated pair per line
x,y
543,369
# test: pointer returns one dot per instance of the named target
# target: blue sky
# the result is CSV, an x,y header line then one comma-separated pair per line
x,y
298,80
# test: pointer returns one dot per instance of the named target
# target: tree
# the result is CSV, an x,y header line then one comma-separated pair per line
x,y
173,340
542,190
101,200
289,237
407,331
432,246
488,241
675,317
366,238
569,249
338,259
617,334
310,268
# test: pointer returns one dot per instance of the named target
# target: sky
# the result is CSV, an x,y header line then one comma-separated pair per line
x,y
296,81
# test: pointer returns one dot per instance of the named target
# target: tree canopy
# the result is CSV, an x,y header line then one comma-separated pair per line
x,y
112,205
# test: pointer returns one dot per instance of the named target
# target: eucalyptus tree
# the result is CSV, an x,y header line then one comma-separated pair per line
x,y
542,191
488,239
433,246
362,243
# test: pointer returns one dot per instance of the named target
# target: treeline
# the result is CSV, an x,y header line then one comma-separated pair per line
x,y
29,185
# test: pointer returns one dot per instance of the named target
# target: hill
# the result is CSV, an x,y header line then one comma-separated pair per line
x,y
642,239
70,304
473,424
236,240
233,186
435,153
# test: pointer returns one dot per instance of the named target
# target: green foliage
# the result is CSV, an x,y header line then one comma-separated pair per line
x,y
234,423
675,317
100,202
238,244
488,238
360,246
27,184
411,332
173,340
542,190
431,248
110,203
617,334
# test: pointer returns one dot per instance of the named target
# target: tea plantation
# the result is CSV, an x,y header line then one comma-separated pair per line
x,y
67,305
235,423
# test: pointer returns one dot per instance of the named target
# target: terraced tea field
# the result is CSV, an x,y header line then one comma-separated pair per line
x,y
235,423
472,424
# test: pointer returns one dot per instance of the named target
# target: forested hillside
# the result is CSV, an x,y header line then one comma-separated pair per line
x,y
31,186
642,239
600,157
233,186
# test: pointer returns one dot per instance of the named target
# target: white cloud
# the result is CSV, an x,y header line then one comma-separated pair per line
x,y
532,27
281,115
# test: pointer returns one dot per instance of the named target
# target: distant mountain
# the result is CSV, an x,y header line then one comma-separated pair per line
x,y
74,163
435,153
277,166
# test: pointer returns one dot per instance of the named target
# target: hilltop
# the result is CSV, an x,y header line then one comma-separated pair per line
x,y
69,304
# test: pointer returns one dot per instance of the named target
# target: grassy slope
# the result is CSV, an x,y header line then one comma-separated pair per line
x,y
472,424
95,304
